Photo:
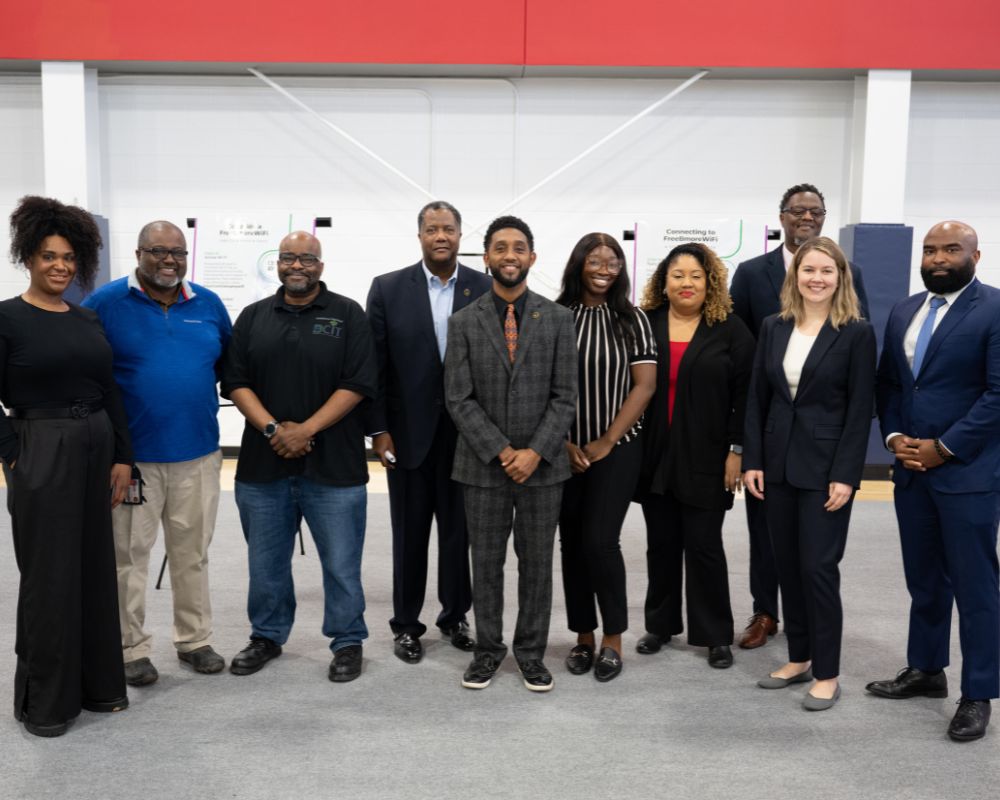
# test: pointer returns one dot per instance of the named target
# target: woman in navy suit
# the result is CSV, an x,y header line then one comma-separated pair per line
x,y
809,414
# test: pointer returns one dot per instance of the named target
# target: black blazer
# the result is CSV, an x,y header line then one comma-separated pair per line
x,y
688,457
411,376
756,288
822,435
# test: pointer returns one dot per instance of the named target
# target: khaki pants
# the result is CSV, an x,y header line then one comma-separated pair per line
x,y
184,497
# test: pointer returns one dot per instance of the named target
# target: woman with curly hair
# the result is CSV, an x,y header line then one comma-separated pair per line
x,y
617,371
66,458
691,450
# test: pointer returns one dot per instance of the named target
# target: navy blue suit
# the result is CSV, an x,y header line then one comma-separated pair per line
x,y
948,515
410,406
756,293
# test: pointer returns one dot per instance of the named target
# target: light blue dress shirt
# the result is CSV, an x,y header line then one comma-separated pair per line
x,y
442,297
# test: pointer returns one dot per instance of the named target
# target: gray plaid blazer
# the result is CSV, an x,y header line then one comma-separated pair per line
x,y
530,403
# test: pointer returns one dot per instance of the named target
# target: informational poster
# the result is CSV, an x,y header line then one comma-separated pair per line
x,y
655,238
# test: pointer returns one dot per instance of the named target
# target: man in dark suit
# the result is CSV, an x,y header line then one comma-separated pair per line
x,y
412,433
510,386
756,293
939,407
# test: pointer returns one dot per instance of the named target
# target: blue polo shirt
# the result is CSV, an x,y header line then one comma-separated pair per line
x,y
165,365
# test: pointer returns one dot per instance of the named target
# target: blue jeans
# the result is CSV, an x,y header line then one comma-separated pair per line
x,y
269,513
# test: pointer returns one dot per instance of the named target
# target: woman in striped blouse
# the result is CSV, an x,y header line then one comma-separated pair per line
x,y
617,363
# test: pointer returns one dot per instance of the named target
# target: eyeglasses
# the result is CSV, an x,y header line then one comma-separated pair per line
x,y
799,212
160,253
614,266
305,259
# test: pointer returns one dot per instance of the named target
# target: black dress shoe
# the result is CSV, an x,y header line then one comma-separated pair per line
x,y
204,660
47,731
536,675
911,682
346,664
970,721
254,656
105,706
459,636
140,672
480,672
651,643
720,657
580,659
608,665
408,648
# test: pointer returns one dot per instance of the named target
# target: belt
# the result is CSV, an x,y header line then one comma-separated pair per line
x,y
79,410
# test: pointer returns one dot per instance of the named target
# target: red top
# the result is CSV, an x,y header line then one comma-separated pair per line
x,y
677,350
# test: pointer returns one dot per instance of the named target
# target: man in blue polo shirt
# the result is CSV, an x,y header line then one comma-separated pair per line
x,y
168,335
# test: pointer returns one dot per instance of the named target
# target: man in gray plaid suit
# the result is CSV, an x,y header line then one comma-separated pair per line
x,y
510,387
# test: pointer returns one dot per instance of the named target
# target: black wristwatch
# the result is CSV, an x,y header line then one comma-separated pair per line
x,y
270,429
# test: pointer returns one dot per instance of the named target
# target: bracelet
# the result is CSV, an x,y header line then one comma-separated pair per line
x,y
942,453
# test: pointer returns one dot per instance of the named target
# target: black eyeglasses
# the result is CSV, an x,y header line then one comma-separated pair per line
x,y
305,259
160,253
799,212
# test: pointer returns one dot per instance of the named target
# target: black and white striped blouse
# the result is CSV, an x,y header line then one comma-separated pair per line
x,y
605,378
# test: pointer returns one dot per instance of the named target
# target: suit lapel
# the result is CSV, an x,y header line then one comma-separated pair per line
x,y
486,313
776,268
826,337
526,328
964,303
463,292
905,313
422,302
702,336
776,356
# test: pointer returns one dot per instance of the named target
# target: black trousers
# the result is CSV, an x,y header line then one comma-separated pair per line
x,y
763,570
416,497
594,505
808,546
681,537
68,637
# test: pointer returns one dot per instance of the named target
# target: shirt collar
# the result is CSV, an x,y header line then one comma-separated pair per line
x,y
950,298
788,255
320,301
186,292
433,280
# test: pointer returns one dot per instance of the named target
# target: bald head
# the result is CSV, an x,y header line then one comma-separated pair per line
x,y
161,257
160,226
950,255
301,242
300,267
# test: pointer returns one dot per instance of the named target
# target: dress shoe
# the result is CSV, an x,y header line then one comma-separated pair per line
x,y
254,656
608,665
911,682
204,660
105,706
459,636
580,659
759,627
346,664
140,672
720,657
408,648
813,703
480,671
970,721
536,676
47,731
651,643
772,682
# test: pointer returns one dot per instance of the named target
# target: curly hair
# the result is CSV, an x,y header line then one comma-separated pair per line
x,y
623,321
800,188
36,218
844,305
717,305
508,222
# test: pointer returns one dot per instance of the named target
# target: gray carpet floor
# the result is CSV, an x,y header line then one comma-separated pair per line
x,y
669,726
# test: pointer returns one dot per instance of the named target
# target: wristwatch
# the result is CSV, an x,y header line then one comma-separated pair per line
x,y
736,448
270,429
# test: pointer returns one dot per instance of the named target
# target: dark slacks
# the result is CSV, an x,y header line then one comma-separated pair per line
x,y
532,512
68,640
808,546
949,546
681,537
594,505
416,497
763,570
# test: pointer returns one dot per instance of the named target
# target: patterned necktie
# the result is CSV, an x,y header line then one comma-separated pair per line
x,y
924,336
510,331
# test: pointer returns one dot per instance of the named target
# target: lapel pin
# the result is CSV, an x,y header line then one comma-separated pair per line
x,y
535,314
466,292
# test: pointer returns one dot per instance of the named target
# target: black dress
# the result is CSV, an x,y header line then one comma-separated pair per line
x,y
58,493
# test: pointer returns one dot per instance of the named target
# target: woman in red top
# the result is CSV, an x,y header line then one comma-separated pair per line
x,y
692,448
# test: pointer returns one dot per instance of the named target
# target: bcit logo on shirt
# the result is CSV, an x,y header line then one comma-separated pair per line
x,y
328,326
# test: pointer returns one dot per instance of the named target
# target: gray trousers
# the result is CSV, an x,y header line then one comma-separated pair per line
x,y
532,513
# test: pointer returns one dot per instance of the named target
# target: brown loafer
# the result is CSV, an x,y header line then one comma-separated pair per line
x,y
758,629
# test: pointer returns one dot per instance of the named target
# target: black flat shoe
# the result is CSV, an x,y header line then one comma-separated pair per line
x,y
105,706
408,648
651,643
580,659
460,637
720,657
608,665
47,731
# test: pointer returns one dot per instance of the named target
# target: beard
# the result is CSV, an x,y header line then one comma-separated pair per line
x,y
954,280
161,281
300,289
503,280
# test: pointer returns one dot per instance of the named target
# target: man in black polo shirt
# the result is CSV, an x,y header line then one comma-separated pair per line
x,y
298,365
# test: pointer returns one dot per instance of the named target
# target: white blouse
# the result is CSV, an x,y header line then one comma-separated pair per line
x,y
799,346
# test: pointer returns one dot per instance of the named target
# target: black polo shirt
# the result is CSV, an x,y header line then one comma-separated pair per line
x,y
294,358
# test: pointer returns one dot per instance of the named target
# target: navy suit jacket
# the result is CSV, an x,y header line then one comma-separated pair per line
x,y
756,288
956,396
822,434
411,376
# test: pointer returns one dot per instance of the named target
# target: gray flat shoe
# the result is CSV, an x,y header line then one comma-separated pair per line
x,y
812,703
770,682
